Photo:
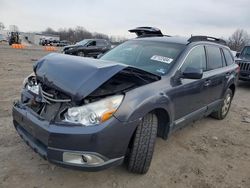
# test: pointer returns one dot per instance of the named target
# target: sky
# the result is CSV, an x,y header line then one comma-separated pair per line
x,y
219,18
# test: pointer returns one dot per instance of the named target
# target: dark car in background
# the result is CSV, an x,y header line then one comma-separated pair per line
x,y
88,48
92,114
48,42
243,60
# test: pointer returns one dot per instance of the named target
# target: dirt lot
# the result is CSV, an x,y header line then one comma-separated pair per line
x,y
206,154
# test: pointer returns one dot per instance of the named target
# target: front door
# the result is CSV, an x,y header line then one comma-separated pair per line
x,y
92,49
189,96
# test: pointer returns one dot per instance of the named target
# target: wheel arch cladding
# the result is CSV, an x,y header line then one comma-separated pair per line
x,y
163,119
231,84
232,87
163,122
161,107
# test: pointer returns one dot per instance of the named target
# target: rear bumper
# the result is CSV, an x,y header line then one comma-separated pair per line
x,y
51,140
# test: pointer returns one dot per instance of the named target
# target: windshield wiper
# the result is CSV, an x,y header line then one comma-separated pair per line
x,y
149,77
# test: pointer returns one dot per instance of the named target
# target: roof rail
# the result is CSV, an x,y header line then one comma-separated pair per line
x,y
206,38
146,32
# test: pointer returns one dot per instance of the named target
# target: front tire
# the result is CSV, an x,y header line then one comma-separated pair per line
x,y
141,152
223,110
81,54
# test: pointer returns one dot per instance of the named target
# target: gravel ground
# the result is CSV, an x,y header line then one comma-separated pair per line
x,y
206,154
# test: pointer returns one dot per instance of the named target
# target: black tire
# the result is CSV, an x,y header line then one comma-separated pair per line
x,y
81,54
142,149
223,110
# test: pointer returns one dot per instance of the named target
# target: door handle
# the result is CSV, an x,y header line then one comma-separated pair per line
x,y
207,83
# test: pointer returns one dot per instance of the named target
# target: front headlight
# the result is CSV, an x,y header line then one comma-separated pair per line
x,y
94,113
31,84
26,80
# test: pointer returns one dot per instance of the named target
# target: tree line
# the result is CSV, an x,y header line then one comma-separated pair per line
x,y
79,33
236,41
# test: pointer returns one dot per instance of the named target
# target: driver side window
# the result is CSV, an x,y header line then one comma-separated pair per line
x,y
195,59
92,43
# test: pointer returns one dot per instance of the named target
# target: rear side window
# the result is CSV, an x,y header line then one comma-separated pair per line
x,y
101,43
195,59
214,57
228,57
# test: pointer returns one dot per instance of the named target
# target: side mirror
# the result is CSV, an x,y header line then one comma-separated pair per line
x,y
192,73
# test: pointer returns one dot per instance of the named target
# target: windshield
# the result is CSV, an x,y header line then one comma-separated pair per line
x,y
83,42
246,52
154,57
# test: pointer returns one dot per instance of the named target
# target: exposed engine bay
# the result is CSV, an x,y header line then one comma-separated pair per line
x,y
51,104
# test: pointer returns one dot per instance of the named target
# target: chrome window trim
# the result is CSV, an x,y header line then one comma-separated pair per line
x,y
188,55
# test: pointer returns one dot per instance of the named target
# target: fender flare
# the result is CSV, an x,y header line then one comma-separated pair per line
x,y
159,103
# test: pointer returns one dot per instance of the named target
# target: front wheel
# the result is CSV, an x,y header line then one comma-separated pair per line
x,y
81,54
141,151
223,110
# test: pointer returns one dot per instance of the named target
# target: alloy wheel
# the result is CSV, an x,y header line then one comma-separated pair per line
x,y
226,104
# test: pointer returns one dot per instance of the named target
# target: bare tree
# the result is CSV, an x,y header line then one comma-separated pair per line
x,y
79,33
238,40
1,26
50,31
13,28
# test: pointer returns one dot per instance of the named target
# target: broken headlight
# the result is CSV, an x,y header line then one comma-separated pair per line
x,y
31,84
26,80
94,113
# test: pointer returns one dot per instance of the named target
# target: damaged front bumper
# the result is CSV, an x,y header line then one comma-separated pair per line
x,y
88,148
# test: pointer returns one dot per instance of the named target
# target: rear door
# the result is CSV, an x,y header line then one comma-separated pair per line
x,y
215,74
102,46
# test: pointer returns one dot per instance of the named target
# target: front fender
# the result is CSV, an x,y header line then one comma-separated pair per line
x,y
136,108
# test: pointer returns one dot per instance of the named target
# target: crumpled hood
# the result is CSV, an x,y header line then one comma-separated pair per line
x,y
75,76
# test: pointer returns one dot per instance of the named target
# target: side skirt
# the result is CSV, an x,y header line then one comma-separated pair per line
x,y
196,115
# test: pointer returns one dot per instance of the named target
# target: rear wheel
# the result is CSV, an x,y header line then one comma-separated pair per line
x,y
141,151
222,112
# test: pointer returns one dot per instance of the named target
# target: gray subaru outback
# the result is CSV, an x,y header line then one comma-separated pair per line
x,y
92,114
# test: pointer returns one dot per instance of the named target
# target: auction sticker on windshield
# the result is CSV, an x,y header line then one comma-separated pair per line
x,y
161,59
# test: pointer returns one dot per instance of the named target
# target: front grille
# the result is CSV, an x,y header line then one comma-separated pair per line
x,y
53,96
244,66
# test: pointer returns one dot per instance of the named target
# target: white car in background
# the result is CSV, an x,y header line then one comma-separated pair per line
x,y
2,38
234,53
